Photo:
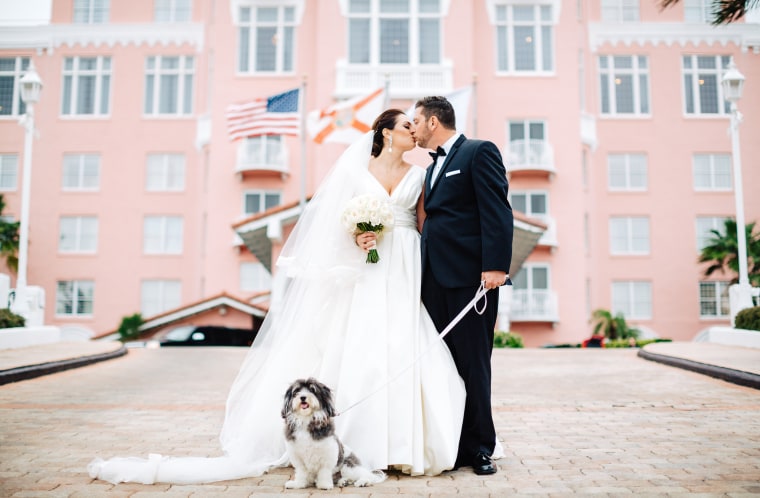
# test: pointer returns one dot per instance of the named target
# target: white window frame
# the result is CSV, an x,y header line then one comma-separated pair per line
x,y
693,78
263,194
254,277
529,195
81,167
91,11
158,296
163,234
620,11
8,172
263,151
543,26
165,172
719,299
717,166
172,11
155,73
629,226
642,102
633,305
78,234
74,75
698,11
628,163
704,225
247,58
80,293
528,268
529,150
20,65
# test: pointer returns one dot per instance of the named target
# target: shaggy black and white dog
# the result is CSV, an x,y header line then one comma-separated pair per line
x,y
314,450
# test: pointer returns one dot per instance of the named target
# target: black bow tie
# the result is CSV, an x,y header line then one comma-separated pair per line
x,y
438,152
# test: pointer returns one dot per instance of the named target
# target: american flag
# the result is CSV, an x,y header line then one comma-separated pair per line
x,y
275,115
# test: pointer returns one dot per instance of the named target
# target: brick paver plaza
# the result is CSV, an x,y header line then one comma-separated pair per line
x,y
573,422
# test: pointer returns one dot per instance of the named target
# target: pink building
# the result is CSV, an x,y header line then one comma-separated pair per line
x,y
609,114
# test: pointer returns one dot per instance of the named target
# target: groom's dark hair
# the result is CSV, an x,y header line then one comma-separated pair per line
x,y
439,107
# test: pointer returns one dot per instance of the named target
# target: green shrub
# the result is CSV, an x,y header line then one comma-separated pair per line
x,y
503,339
9,319
627,343
130,327
748,319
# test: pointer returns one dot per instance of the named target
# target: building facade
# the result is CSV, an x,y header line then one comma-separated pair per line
x,y
609,115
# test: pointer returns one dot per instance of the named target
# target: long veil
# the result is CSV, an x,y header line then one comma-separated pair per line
x,y
316,270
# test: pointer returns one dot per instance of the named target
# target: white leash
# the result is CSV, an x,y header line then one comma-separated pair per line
x,y
480,294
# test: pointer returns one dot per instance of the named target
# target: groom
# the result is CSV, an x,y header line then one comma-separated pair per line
x,y
466,239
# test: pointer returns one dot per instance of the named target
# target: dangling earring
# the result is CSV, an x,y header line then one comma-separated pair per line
x,y
390,143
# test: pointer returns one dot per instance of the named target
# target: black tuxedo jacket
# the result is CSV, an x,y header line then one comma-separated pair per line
x,y
468,225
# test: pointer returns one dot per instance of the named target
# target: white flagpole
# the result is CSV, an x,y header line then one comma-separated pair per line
x,y
475,105
387,96
302,107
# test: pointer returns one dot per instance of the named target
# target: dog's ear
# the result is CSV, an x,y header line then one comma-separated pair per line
x,y
325,397
286,402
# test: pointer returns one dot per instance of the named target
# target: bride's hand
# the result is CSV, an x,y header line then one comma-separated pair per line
x,y
366,240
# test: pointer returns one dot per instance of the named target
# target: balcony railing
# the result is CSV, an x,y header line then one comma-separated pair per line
x,y
405,81
530,155
534,306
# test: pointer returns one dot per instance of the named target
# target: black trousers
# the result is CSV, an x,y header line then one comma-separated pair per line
x,y
471,343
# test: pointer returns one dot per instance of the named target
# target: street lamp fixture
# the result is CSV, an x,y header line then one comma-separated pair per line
x,y
740,295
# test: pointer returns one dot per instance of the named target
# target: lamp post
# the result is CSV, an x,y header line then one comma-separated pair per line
x,y
740,295
31,85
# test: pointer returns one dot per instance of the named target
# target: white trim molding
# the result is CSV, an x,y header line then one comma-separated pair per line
x,y
235,5
556,6
746,36
53,36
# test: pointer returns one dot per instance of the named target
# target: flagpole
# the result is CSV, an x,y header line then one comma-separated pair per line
x,y
475,105
386,87
302,108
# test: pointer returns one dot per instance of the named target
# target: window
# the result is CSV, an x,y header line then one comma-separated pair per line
x,y
532,277
624,84
78,234
394,32
266,38
620,10
703,92
629,235
713,300
169,85
165,173
162,235
712,172
532,204
525,38
74,297
527,142
86,86
263,150
254,277
260,200
8,172
11,71
81,172
633,299
627,172
91,11
699,11
172,10
705,227
157,296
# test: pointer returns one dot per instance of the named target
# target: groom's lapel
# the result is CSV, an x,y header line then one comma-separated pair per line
x,y
448,160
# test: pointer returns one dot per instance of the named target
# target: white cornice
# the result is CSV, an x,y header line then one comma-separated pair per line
x,y
57,35
746,36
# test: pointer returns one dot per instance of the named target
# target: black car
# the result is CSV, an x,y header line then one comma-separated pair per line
x,y
207,335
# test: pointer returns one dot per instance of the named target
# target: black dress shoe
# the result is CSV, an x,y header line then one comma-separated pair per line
x,y
483,465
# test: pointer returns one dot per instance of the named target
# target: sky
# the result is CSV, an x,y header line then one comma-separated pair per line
x,y
24,12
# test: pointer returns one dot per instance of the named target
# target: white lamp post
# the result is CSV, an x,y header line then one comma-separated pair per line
x,y
740,295
31,85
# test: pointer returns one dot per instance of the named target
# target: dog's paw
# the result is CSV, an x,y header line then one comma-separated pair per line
x,y
325,484
360,483
343,482
295,485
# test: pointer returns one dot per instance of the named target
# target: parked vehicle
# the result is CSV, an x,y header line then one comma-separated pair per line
x,y
207,335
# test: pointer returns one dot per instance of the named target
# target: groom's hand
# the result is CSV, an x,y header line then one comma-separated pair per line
x,y
493,278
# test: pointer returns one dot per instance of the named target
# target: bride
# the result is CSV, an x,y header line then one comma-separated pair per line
x,y
359,328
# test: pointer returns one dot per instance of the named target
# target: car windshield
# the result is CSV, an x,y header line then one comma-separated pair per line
x,y
179,334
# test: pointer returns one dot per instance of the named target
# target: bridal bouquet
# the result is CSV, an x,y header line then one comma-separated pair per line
x,y
367,213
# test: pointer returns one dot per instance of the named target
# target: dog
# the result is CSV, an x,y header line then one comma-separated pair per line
x,y
316,453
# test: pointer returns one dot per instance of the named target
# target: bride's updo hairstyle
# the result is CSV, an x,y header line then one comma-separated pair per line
x,y
385,120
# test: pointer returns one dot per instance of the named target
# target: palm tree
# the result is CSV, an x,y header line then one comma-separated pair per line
x,y
611,327
722,252
724,11
8,240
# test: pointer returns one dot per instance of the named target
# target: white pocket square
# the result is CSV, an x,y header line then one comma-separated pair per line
x,y
452,173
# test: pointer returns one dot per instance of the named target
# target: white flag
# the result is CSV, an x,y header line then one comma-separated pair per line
x,y
460,101
346,121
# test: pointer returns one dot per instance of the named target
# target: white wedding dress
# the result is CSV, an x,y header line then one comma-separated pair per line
x,y
359,328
